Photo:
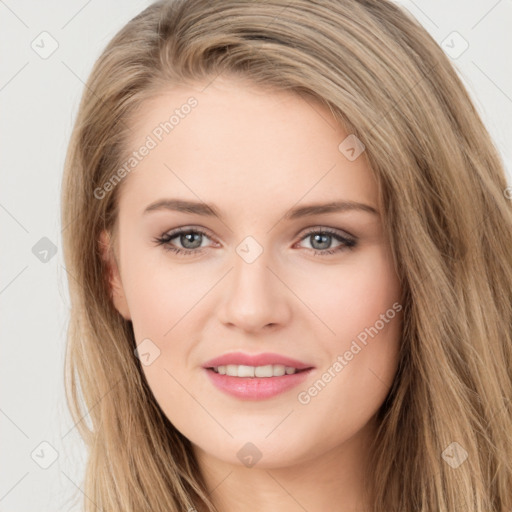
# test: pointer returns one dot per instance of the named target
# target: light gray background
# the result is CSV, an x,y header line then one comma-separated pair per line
x,y
39,99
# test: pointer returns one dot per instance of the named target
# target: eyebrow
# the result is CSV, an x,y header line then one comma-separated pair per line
x,y
210,210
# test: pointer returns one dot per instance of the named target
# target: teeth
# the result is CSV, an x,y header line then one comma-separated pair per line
x,y
234,370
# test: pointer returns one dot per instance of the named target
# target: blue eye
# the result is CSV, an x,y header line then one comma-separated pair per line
x,y
320,235
191,241
186,236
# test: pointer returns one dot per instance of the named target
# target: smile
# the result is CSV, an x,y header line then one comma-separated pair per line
x,y
276,370
254,387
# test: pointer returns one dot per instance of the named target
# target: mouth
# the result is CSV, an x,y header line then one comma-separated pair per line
x,y
256,383
256,376
263,372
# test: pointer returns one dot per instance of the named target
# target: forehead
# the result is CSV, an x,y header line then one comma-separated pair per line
x,y
239,145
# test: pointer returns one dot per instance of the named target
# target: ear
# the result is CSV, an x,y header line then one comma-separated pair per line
x,y
115,284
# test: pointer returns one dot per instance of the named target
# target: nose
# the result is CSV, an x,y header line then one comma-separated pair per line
x,y
254,296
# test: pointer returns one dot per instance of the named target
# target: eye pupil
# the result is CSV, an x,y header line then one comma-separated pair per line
x,y
324,245
186,238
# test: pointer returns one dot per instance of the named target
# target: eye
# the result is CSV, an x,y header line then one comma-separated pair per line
x,y
320,238
191,240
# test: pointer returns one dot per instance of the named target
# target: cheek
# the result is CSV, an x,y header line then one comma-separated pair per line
x,y
162,311
159,296
361,308
164,301
352,296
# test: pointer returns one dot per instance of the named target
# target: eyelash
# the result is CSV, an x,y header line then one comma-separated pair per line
x,y
164,240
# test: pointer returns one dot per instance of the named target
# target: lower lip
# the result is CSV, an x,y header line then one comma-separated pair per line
x,y
256,388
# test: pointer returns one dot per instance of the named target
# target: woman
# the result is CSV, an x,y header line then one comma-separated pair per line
x,y
290,240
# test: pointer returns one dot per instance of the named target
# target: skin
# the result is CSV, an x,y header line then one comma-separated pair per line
x,y
255,154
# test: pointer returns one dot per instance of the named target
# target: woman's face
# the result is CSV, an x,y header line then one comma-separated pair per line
x,y
267,273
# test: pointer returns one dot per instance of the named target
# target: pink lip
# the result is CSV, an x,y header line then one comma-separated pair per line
x,y
256,388
264,359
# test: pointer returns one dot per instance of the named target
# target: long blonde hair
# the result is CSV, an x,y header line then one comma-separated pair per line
x,y
442,190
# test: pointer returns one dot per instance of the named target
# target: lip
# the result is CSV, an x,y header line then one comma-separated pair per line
x,y
256,388
264,359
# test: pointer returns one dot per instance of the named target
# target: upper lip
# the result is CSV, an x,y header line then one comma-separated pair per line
x,y
263,359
